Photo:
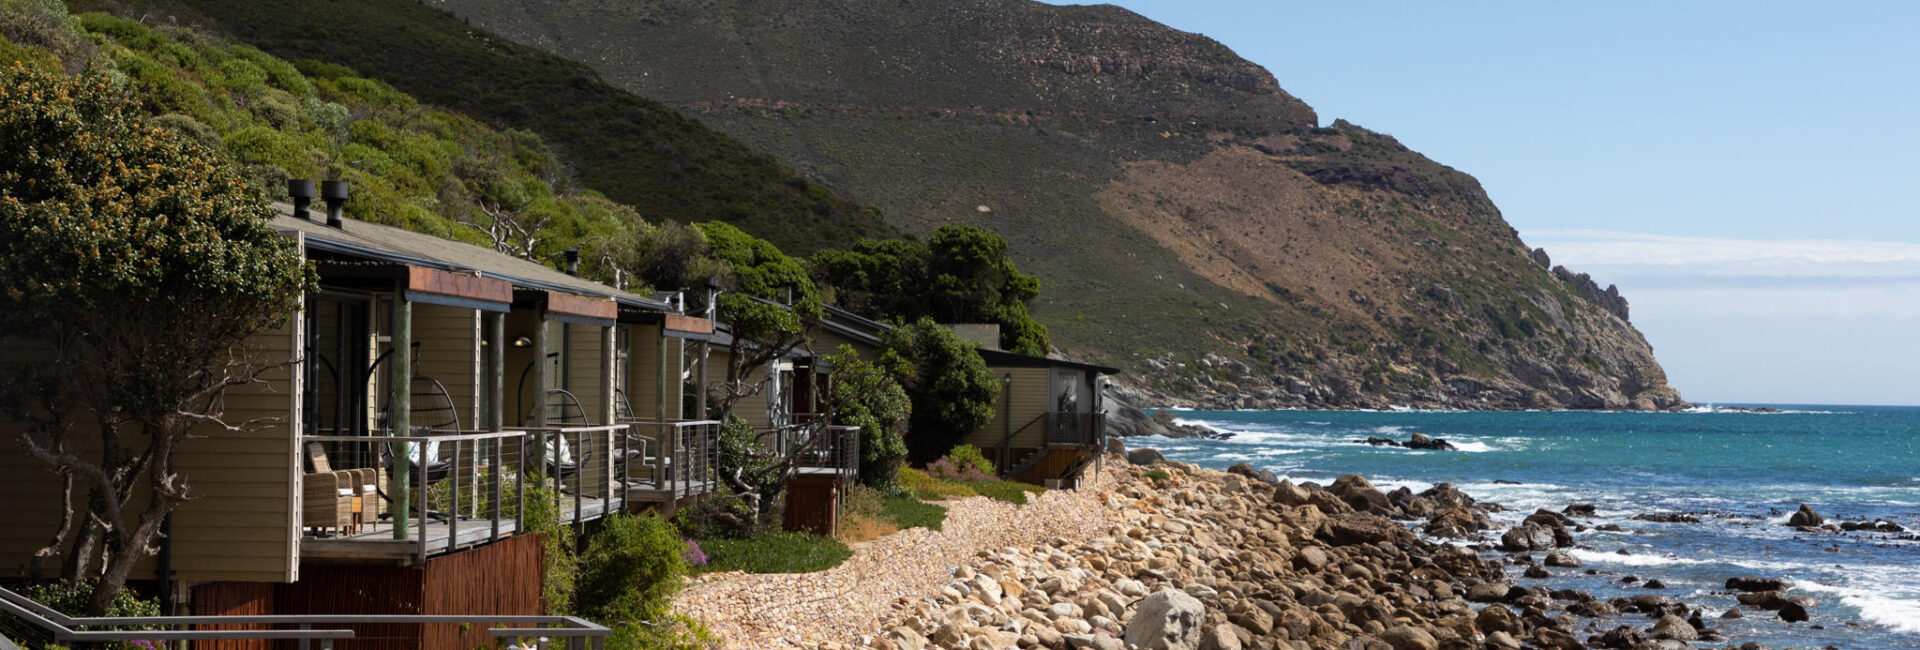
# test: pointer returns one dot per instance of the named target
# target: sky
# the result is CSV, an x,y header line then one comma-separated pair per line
x,y
1744,171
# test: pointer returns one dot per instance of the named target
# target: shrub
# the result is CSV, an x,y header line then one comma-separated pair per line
x,y
945,468
560,567
694,555
778,552
971,455
630,570
70,597
261,145
1158,475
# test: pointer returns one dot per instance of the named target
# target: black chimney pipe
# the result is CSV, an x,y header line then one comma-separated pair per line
x,y
573,261
301,189
335,194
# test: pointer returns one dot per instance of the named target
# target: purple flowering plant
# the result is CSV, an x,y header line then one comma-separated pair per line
x,y
693,555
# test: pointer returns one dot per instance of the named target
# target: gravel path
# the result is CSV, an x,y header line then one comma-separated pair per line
x,y
808,609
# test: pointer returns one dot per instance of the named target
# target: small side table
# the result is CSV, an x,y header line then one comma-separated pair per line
x,y
359,505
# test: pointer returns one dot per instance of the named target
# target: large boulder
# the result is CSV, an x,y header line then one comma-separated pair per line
x,y
1421,441
1676,628
1805,516
1145,456
1249,471
1455,521
1367,529
1360,494
1792,612
1220,637
1288,494
1527,537
1407,637
1446,494
1756,584
1167,620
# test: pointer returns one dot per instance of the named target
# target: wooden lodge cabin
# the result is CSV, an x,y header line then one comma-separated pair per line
x,y
426,384
786,412
1049,424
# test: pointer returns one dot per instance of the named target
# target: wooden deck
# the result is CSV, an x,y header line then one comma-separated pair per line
x,y
375,541
644,493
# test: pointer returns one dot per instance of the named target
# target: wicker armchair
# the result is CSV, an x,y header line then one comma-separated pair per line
x,y
327,500
327,503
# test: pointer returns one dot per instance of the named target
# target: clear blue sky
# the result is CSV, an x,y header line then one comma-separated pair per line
x,y
1754,165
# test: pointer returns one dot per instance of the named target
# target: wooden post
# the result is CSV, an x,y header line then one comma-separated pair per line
x,y
497,418
400,406
609,337
660,387
540,347
701,350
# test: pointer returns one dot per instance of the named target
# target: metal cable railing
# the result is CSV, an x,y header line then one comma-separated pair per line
x,y
66,631
461,488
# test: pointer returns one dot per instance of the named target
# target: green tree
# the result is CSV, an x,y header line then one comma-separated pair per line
x,y
868,395
951,391
962,274
770,303
117,238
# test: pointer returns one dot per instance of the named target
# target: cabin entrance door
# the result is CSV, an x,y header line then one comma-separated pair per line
x,y
338,345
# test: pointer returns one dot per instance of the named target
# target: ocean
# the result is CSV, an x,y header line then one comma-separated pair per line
x,y
1741,474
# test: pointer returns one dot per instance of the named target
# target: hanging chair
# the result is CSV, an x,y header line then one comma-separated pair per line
x,y
431,410
564,409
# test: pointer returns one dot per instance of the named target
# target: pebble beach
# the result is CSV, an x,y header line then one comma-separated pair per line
x,y
1170,556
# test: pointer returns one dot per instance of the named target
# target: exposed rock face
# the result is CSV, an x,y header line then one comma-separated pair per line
x,y
1291,264
1609,299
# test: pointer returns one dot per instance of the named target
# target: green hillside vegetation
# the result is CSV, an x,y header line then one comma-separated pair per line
x,y
411,165
634,150
439,172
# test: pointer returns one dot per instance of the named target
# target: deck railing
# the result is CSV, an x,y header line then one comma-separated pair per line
x,y
67,631
824,448
1084,429
586,465
463,488
678,456
464,484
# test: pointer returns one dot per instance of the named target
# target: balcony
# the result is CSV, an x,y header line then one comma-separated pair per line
x,y
676,459
463,488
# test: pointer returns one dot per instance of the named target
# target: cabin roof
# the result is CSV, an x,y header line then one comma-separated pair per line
x,y
1005,359
387,243
867,330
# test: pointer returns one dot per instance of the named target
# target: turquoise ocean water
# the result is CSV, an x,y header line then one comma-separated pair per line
x,y
1742,474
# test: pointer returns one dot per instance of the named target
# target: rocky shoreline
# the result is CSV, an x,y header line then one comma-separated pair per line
x,y
1203,560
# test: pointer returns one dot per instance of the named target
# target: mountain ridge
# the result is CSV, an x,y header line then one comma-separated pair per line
x,y
1360,274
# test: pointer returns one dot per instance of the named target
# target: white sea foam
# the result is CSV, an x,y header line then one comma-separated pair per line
x,y
1472,447
1279,452
1390,430
1898,613
1232,457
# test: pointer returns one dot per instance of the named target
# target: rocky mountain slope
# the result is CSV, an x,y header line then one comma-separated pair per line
x,y
1189,218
